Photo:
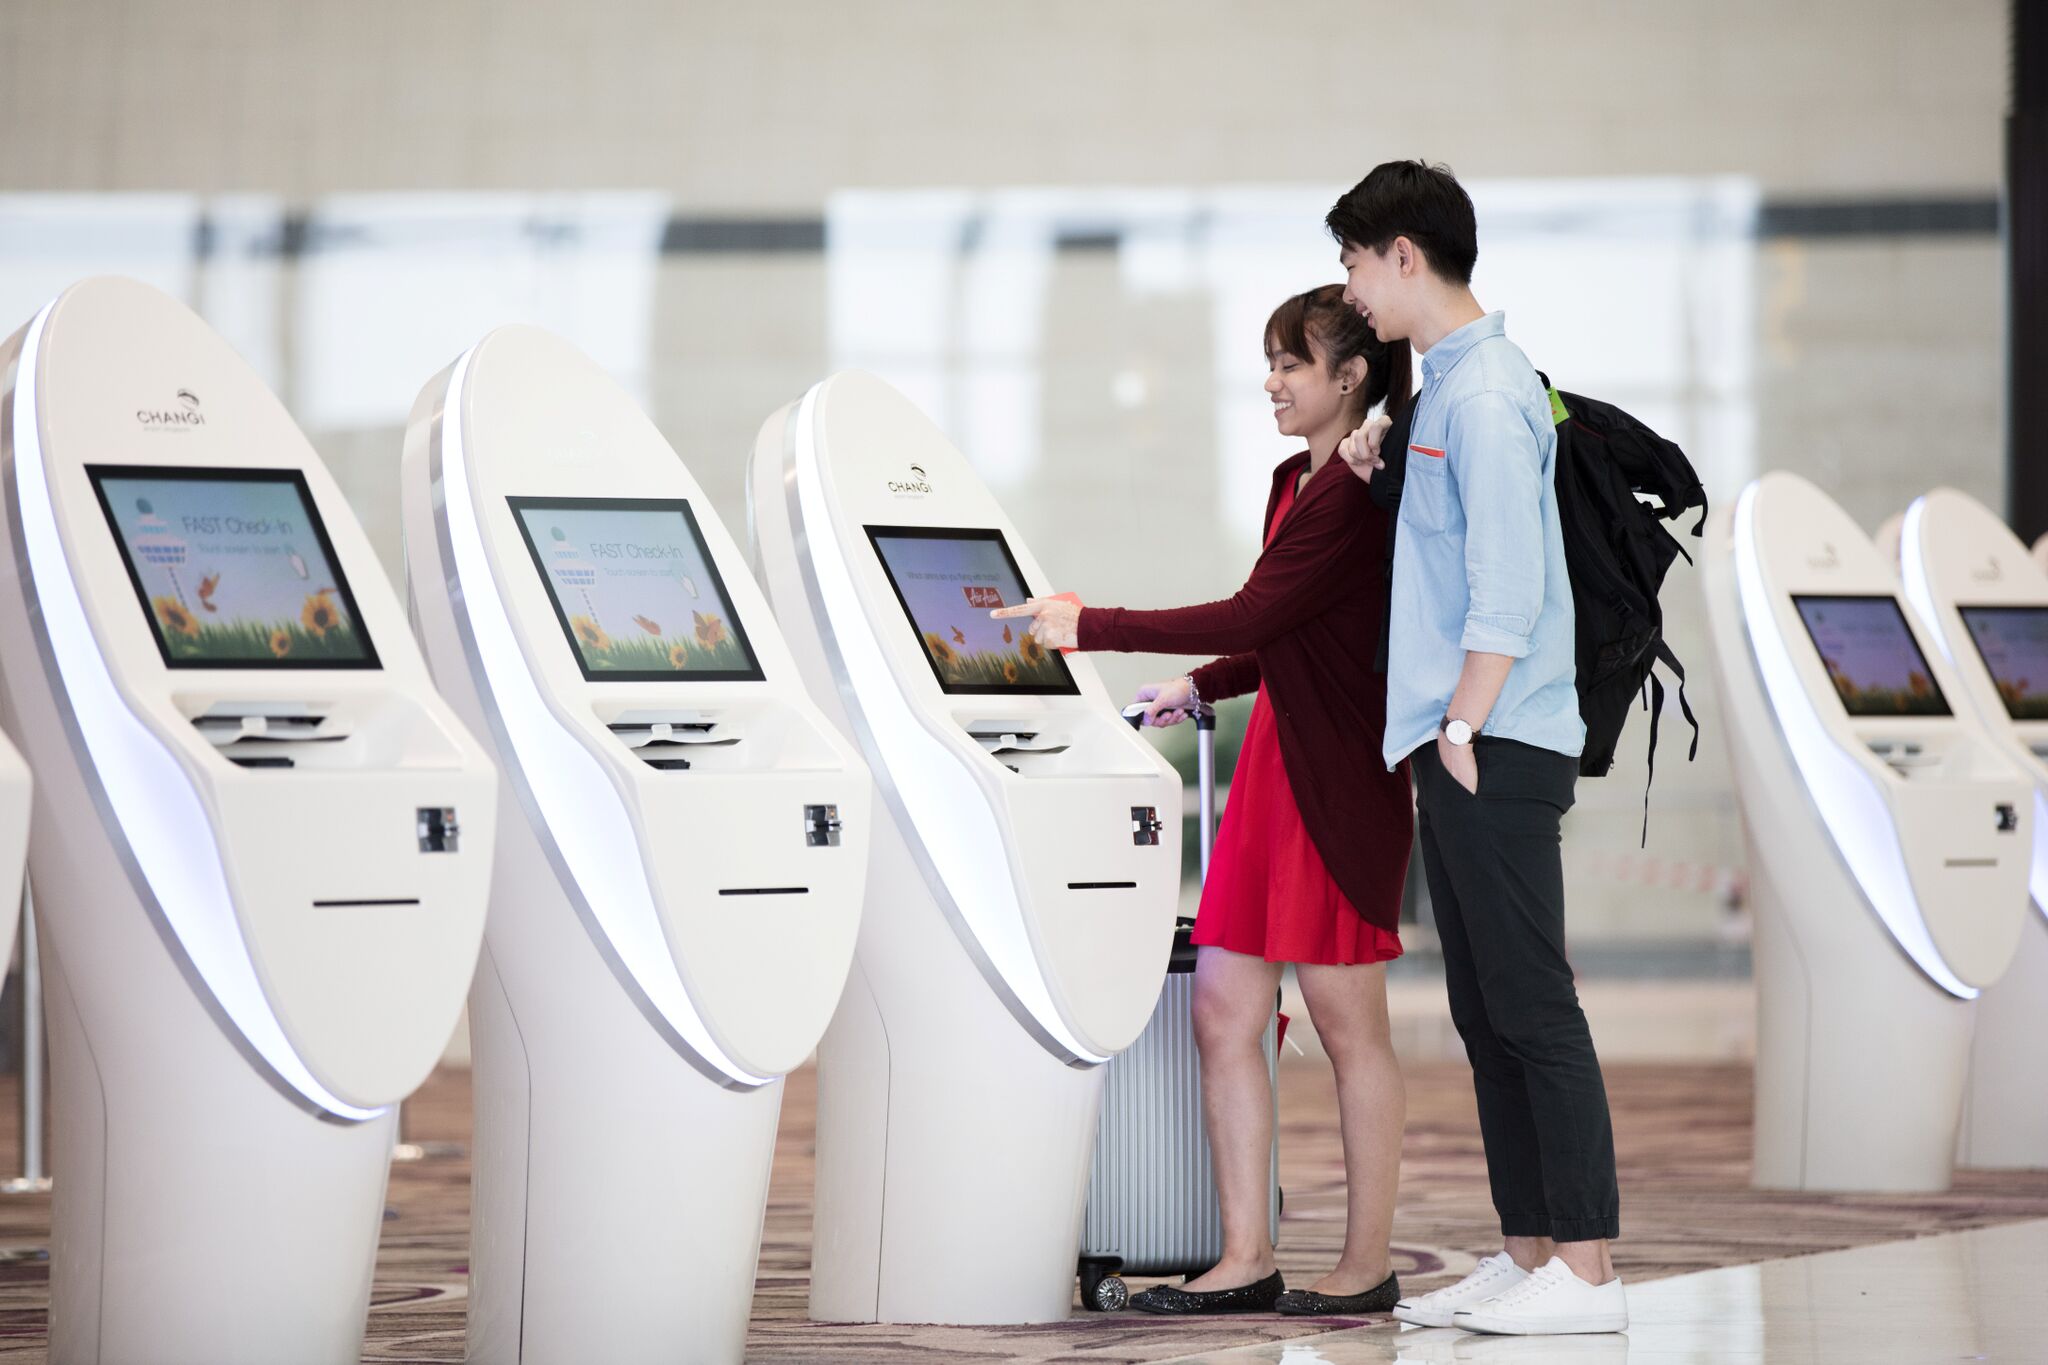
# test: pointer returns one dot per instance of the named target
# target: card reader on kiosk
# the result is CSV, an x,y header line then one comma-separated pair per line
x,y
1889,843
1984,599
679,877
261,850
1020,898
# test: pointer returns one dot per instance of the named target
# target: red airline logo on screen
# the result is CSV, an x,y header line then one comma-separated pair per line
x,y
984,597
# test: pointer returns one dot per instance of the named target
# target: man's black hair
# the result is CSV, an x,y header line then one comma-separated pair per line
x,y
1416,200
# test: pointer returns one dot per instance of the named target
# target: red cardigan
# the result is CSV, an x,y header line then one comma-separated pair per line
x,y
1308,624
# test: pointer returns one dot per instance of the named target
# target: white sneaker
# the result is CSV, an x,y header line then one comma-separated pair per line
x,y
1550,1301
1494,1275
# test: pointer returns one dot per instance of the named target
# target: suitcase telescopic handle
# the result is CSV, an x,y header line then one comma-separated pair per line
x,y
1205,779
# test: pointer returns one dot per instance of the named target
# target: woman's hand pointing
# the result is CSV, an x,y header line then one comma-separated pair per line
x,y
1055,621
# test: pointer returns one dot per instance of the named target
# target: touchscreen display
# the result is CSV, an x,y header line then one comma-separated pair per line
x,y
947,582
635,590
1871,656
2014,644
232,567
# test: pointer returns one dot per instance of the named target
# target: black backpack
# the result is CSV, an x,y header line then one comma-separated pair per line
x,y
1617,551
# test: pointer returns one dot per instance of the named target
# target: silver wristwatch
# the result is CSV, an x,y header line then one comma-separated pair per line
x,y
1458,732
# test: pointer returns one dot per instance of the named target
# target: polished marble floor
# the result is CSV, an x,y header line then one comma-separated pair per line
x,y
1963,1296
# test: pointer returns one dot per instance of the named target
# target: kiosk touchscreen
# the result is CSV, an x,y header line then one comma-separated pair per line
x,y
1889,842
679,876
1021,895
1984,599
261,848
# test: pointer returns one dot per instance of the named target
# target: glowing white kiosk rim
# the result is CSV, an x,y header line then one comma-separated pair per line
x,y
1888,842
258,909
1021,897
1984,599
679,882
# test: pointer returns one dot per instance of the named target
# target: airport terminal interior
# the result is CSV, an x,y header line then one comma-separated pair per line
x,y
534,849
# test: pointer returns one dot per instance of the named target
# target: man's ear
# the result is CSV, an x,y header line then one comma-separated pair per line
x,y
1406,256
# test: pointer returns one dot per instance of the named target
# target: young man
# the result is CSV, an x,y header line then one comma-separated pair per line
x,y
1480,694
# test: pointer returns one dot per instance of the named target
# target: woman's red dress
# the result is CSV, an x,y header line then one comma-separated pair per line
x,y
1268,892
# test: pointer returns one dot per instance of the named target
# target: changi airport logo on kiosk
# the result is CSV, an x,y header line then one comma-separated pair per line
x,y
1826,559
183,414
917,485
1989,571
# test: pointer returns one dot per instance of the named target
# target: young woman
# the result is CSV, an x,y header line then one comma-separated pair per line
x,y
1309,863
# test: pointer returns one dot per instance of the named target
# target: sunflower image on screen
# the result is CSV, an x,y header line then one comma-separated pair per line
x,y
1871,657
2013,642
947,581
634,589
233,568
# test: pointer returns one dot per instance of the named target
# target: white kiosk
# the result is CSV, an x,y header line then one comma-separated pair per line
x,y
15,795
1889,844
261,847
1983,597
1020,899
680,873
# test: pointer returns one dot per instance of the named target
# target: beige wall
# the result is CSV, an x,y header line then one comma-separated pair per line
x,y
738,106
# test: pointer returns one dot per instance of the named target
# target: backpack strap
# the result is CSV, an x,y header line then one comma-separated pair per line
x,y
1655,701
1670,661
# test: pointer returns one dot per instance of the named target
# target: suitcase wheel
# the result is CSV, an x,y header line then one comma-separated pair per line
x,y
1102,1289
1109,1295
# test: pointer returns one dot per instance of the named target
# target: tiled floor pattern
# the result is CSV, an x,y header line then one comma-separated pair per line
x,y
1682,1133
1963,1296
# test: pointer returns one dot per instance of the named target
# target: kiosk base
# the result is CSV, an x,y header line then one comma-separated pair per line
x,y
200,1217
618,1191
953,1148
2005,1118
1860,1059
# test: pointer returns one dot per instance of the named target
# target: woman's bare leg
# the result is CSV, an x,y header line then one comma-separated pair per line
x,y
1233,1004
1348,1006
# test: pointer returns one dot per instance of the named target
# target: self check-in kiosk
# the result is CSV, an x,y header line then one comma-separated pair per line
x,y
15,792
1021,893
679,878
260,851
1984,599
1889,843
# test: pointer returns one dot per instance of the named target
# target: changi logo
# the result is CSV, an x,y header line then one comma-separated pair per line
x,y
919,483
1826,559
183,412
1990,572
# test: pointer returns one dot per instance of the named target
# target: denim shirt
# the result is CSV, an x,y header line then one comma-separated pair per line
x,y
1479,554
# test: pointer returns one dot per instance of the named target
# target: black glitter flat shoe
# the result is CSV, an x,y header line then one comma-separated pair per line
x,y
1306,1303
1246,1298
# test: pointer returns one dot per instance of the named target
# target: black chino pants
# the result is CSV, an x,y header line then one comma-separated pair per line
x,y
1496,882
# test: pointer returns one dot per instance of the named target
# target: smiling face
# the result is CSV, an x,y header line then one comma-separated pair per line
x,y
1378,285
1308,400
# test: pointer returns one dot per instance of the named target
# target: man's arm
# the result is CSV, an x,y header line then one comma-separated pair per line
x,y
1495,459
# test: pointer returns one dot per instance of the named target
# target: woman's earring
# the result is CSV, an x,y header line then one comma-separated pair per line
x,y
1343,388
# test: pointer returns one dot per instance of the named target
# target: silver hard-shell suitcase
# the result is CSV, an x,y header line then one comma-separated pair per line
x,y
1152,1207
